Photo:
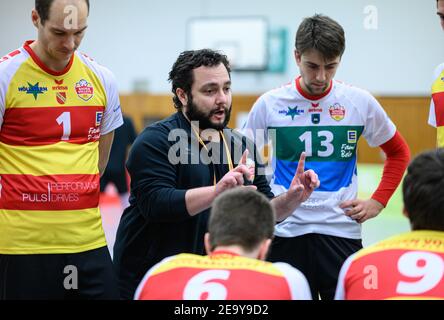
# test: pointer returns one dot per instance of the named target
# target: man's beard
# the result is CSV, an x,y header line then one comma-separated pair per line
x,y
195,114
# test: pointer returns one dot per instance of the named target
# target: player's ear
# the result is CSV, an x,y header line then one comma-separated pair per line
x,y
207,243
35,18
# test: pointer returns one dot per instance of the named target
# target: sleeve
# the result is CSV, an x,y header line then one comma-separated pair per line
x,y
112,118
153,178
298,284
432,112
340,288
398,157
378,127
255,128
140,288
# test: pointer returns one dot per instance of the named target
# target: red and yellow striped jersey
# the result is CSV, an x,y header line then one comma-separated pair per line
x,y
407,266
222,276
50,124
436,115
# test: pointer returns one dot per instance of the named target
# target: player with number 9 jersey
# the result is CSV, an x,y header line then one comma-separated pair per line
x,y
407,266
50,126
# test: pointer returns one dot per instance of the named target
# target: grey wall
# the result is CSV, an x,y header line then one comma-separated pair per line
x,y
140,39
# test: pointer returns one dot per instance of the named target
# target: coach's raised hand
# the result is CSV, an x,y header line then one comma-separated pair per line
x,y
301,188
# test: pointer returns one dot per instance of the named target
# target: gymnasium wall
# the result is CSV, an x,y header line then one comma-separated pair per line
x,y
409,114
139,40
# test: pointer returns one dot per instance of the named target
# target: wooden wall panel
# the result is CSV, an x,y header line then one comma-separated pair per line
x,y
408,113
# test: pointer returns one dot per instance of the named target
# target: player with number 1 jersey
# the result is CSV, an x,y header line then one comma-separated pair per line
x,y
50,125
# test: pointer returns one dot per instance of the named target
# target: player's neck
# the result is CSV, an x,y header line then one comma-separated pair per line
x,y
237,250
51,63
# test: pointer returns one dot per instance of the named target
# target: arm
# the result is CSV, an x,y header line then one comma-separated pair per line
x,y
105,143
301,188
200,199
398,157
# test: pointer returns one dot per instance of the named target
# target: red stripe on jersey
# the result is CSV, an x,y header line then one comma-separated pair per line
x,y
395,274
50,125
240,285
438,100
49,193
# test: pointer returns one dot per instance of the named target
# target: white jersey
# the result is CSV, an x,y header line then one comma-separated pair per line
x,y
328,130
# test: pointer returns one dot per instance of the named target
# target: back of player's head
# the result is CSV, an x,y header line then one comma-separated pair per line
x,y
323,34
43,7
181,74
241,216
423,191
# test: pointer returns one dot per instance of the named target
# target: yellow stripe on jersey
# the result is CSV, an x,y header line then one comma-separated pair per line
x,y
46,84
221,261
438,85
440,137
71,231
432,241
60,158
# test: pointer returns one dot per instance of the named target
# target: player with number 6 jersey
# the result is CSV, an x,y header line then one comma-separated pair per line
x,y
239,235
222,275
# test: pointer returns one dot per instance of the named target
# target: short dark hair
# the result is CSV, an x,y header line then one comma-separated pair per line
x,y
181,74
423,191
323,34
241,216
43,6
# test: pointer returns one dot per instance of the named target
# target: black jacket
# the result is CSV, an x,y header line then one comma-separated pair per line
x,y
156,224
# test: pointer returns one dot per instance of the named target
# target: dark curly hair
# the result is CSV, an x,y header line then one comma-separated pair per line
x,y
181,74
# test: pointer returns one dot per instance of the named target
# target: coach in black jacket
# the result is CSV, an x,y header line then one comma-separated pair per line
x,y
179,165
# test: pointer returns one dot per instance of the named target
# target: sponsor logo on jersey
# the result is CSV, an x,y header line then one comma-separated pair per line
x,y
84,89
61,97
315,108
315,118
337,112
292,112
34,89
99,116
352,136
60,91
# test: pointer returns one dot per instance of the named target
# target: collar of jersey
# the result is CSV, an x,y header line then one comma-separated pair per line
x,y
223,252
42,65
308,96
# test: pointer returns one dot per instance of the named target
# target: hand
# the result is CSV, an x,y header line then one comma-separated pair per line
x,y
361,210
235,177
303,183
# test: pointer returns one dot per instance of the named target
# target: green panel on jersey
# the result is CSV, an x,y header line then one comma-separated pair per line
x,y
328,143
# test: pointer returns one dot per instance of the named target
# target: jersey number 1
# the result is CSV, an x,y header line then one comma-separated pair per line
x,y
65,120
